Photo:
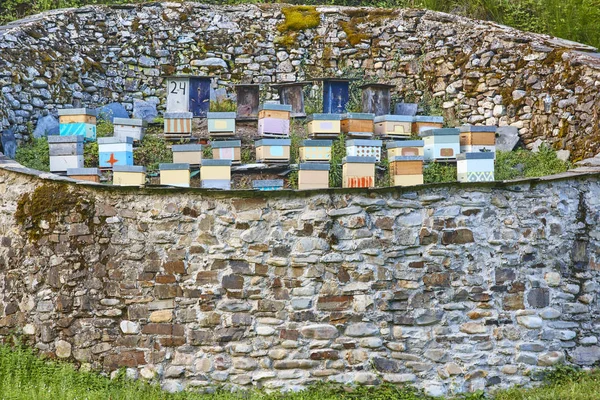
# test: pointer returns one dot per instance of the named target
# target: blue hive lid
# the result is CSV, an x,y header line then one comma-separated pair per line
x,y
83,171
115,140
129,168
481,155
405,143
220,144
173,166
355,159
175,115
221,115
477,128
273,142
275,107
267,183
317,143
364,142
429,118
314,167
325,117
394,118
406,158
77,111
366,116
180,148
129,121
216,163
440,132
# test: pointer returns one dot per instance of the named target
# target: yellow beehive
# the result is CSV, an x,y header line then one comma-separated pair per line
x,y
176,174
313,176
129,175
358,172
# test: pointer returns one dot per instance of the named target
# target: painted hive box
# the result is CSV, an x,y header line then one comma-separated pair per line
x,y
188,93
178,124
404,148
78,122
324,125
227,150
315,150
221,123
84,174
394,125
65,152
277,111
215,174
475,167
406,170
274,127
440,144
364,148
273,150
129,175
313,176
187,153
358,124
358,172
477,138
268,184
115,151
175,174
130,127
425,123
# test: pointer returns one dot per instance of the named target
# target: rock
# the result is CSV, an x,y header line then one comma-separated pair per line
x,y
161,316
46,126
63,349
507,138
129,327
144,110
585,355
563,155
530,321
29,329
362,329
111,111
538,297
552,278
473,328
209,62
535,147
319,332
9,143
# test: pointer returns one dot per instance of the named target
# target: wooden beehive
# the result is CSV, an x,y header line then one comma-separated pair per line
x,y
129,175
115,151
175,174
85,174
423,123
315,150
268,185
221,123
215,174
273,110
477,138
358,124
324,125
78,122
130,127
187,153
358,172
376,98
406,170
227,150
293,95
313,176
188,93
404,148
336,94
364,148
274,120
178,124
399,126
440,144
273,150
65,152
475,167
248,100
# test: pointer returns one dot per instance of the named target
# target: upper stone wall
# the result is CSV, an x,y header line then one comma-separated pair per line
x,y
480,72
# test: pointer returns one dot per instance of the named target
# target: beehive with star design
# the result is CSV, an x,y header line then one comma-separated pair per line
x,y
114,151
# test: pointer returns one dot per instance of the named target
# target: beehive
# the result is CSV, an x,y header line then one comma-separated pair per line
x,y
248,99
129,175
423,123
315,150
475,167
364,148
85,174
65,152
221,123
477,139
336,94
273,150
358,124
178,124
404,148
358,172
115,151
215,174
440,144
313,176
324,125
130,127
188,93
376,98
175,174
394,125
293,94
78,122
268,184
406,170
274,120
227,150
187,153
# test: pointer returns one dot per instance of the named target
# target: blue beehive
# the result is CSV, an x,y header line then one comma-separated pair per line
x,y
113,151
335,95
221,123
187,93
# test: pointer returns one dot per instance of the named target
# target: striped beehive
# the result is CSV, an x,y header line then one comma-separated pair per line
x,y
268,185
129,175
475,167
364,148
227,150
187,153
404,148
115,151
315,150
406,170
324,125
423,123
273,150
130,127
359,125
477,138
175,174
84,174
215,174
221,123
358,172
178,124
394,125
313,176
440,144
274,120
78,122
65,152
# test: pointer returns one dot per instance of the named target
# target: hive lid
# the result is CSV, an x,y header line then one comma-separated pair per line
x,y
440,132
219,144
273,142
317,143
355,159
324,117
406,158
365,116
65,139
394,118
115,140
83,171
275,107
429,118
173,115
364,142
77,111
129,168
129,121
314,167
481,155
220,115
173,166
215,163
267,183
177,148
404,143
477,128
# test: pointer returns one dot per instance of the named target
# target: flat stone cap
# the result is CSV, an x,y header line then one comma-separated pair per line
x,y
220,115
406,158
429,118
220,144
480,155
129,168
364,142
273,142
267,183
174,115
173,166
216,163
180,148
115,140
360,160
366,116
477,128
405,143
83,171
314,167
325,117
77,111
440,132
394,118
317,143
129,121
275,107
65,139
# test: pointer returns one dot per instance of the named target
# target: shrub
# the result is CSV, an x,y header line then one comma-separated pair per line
x,y
438,173
35,155
525,164
152,151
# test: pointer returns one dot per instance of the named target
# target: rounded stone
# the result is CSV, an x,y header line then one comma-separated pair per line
x,y
63,349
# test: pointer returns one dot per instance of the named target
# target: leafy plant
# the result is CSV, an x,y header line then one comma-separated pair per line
x,y
153,150
223,106
526,164
438,173
35,155
338,152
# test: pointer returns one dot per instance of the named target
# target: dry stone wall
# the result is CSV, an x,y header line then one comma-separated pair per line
x,y
450,288
478,72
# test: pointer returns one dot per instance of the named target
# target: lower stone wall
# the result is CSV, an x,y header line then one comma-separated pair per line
x,y
453,288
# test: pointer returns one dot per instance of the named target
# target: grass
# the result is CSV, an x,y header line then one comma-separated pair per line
x,y
525,164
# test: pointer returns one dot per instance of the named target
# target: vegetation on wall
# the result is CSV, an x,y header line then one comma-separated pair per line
x,y
153,150
526,164
35,155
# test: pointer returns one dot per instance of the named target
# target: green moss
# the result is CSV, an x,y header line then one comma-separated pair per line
x,y
298,18
288,39
353,33
553,57
135,25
